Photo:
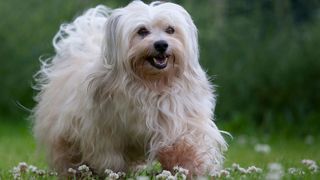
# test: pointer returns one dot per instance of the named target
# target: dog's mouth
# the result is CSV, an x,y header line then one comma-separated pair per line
x,y
159,61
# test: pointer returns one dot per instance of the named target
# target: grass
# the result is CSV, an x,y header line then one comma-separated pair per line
x,y
17,145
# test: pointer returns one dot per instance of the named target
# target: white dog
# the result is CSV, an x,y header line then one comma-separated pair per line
x,y
126,86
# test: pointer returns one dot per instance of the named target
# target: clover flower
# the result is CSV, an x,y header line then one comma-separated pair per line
x,y
32,169
275,171
221,173
254,169
164,175
113,176
181,170
236,167
84,168
53,173
72,171
23,167
311,164
295,171
40,172
20,169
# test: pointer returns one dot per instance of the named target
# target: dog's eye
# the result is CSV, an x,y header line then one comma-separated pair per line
x,y
170,30
143,31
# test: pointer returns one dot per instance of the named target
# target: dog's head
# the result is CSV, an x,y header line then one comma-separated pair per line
x,y
152,43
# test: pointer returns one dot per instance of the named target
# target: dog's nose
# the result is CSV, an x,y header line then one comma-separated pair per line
x,y
161,46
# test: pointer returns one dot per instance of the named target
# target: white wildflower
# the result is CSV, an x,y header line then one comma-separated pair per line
x,y
311,164
314,168
23,167
254,169
237,168
164,175
108,171
15,170
72,171
275,171
224,173
112,176
40,172
262,148
181,170
295,171
17,176
308,162
32,168
83,168
53,173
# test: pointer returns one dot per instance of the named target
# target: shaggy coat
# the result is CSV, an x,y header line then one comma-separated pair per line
x,y
101,103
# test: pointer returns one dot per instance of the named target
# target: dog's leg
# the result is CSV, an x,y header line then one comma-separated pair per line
x,y
64,155
181,154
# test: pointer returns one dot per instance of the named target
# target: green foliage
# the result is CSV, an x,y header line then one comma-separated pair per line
x,y
262,55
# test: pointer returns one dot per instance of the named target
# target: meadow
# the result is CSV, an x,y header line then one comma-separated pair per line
x,y
262,56
276,156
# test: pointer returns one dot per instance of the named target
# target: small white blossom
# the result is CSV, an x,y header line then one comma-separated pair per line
x,y
17,176
181,170
311,164
314,168
262,148
223,173
112,176
53,173
72,171
275,171
84,168
295,171
308,162
23,167
32,168
40,172
253,169
108,171
164,175
236,167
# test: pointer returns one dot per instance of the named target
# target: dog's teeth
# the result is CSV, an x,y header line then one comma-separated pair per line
x,y
154,60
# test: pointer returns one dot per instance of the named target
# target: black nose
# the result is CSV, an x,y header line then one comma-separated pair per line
x,y
161,46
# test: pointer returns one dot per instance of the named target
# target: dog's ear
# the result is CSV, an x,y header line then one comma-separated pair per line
x,y
112,39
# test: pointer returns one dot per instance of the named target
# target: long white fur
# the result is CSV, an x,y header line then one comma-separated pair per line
x,y
88,95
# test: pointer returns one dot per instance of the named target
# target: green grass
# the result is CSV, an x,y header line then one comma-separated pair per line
x,y
17,145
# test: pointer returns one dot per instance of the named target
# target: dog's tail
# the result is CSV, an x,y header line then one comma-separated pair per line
x,y
82,37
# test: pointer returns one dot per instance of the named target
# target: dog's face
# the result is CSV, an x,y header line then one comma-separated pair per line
x,y
154,42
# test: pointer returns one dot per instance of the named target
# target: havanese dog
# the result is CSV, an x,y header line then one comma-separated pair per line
x,y
125,86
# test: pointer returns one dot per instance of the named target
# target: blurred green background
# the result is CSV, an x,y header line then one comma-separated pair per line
x,y
263,56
